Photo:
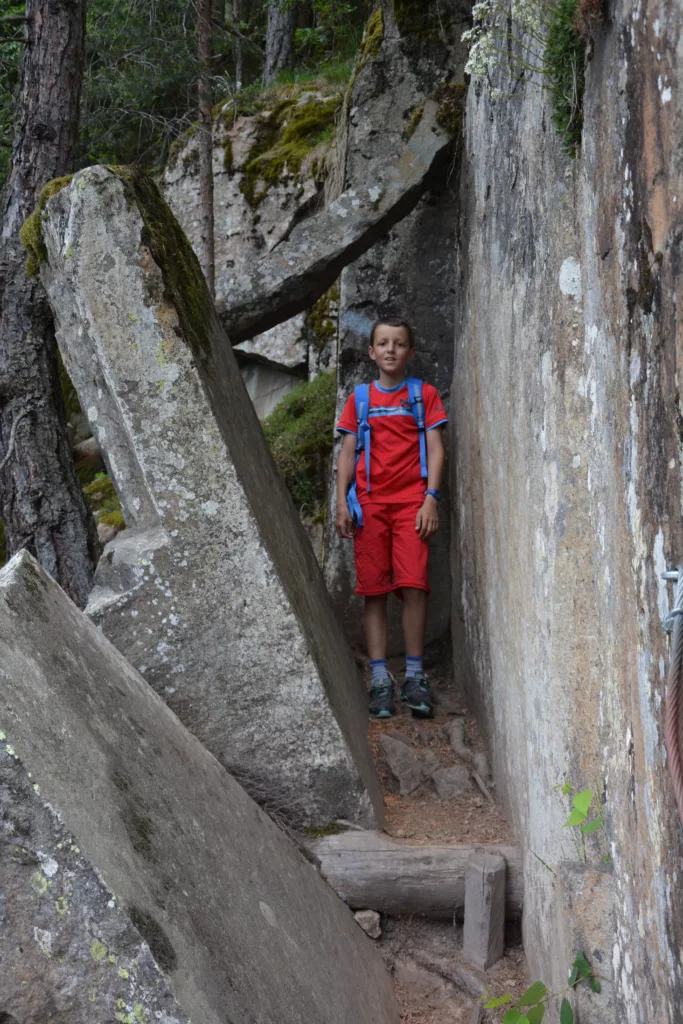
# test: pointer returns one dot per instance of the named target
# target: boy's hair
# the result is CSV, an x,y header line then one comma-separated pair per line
x,y
393,321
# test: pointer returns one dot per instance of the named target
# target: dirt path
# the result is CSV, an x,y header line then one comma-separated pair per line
x,y
434,985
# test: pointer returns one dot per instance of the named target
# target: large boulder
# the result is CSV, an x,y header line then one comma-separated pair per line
x,y
213,592
139,881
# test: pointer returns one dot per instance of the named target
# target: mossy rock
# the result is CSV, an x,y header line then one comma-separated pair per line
x,y
300,433
31,233
373,37
173,254
287,135
103,501
451,97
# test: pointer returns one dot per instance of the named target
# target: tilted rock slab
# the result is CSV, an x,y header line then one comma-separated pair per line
x,y
214,593
140,882
297,272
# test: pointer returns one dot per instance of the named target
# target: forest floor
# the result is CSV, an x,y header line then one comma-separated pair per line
x,y
423,819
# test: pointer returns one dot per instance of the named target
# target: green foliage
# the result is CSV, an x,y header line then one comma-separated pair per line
x,y
566,1013
423,20
31,233
103,501
564,58
287,135
299,433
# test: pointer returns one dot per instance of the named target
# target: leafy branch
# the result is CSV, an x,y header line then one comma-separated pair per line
x,y
531,1006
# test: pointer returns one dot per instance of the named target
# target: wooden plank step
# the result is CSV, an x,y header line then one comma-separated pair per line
x,y
375,873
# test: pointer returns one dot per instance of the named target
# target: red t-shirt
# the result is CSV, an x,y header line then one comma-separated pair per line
x,y
394,444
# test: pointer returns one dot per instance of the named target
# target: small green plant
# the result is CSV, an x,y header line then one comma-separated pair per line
x,y
578,818
546,43
299,432
530,1008
103,501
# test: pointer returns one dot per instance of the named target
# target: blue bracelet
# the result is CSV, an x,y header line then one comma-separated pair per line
x,y
436,495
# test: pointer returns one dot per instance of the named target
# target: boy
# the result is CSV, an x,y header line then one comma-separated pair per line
x,y
399,510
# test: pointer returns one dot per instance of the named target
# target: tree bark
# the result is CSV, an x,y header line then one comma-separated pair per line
x,y
237,45
204,16
41,502
279,39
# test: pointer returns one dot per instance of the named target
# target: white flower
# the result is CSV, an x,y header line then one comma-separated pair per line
x,y
527,14
482,57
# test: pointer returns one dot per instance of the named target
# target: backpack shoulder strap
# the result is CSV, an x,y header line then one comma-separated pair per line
x,y
418,409
361,395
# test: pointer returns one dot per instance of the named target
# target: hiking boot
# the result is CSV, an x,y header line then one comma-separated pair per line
x,y
382,699
417,695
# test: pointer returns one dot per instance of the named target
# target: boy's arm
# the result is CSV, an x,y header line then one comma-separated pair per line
x,y
346,466
427,522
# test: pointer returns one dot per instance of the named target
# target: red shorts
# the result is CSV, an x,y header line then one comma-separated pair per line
x,y
389,552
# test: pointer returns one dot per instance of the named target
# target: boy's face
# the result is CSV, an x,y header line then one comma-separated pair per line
x,y
391,349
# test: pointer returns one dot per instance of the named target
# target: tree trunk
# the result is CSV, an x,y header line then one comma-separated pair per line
x,y
41,502
279,39
204,15
237,45
375,873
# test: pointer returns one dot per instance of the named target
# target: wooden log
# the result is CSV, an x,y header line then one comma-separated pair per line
x,y
483,942
375,873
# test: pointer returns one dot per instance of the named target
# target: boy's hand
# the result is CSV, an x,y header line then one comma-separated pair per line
x,y
344,523
427,522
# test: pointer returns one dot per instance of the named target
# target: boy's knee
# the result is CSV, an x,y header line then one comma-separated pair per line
x,y
414,595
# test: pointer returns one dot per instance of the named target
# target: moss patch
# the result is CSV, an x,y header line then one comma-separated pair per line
x,y
451,98
228,162
103,501
373,36
31,233
321,322
299,433
183,278
287,135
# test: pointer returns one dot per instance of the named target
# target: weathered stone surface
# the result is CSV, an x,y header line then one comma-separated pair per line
x,y
410,270
370,922
451,781
404,763
587,898
566,425
293,275
139,881
213,592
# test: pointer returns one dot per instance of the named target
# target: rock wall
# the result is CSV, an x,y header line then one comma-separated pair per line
x,y
411,270
139,881
566,437
213,592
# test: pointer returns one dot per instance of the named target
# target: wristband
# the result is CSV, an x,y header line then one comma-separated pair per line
x,y
436,495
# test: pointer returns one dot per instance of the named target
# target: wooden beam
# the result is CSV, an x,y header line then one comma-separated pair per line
x,y
483,941
376,873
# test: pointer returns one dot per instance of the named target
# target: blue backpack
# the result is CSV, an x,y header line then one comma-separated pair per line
x,y
361,395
